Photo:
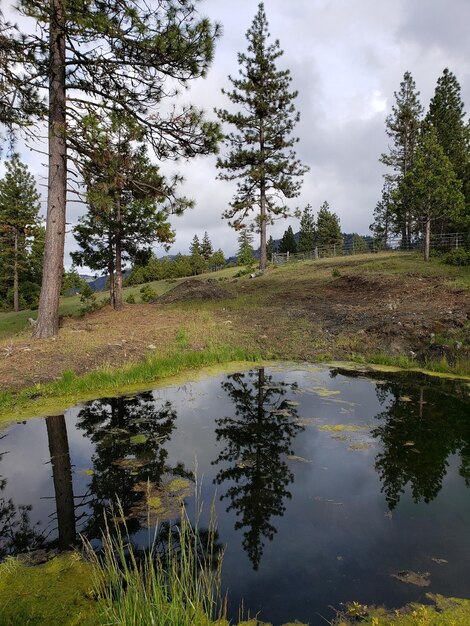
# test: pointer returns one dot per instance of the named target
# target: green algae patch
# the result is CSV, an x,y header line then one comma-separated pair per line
x,y
160,501
138,439
342,428
57,593
444,612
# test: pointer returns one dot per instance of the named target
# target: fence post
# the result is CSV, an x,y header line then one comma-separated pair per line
x,y
287,257
315,253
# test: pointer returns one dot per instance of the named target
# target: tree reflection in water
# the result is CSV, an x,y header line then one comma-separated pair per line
x,y
419,429
257,441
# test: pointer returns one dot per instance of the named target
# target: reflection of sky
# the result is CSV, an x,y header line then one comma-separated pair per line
x,y
336,541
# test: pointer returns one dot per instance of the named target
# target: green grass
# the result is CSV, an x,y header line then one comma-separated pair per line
x,y
441,366
72,388
179,587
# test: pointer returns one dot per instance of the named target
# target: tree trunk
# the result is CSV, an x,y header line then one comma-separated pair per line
x,y
118,280
16,299
62,476
112,298
262,225
48,313
427,241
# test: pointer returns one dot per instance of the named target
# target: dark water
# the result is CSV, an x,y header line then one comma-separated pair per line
x,y
311,517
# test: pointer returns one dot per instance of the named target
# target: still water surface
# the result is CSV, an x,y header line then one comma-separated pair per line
x,y
328,483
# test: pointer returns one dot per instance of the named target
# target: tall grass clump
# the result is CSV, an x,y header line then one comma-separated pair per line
x,y
176,582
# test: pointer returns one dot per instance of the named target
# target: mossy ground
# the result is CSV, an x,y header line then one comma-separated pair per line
x,y
442,612
57,593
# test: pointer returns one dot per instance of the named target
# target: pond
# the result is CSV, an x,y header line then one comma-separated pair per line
x,y
330,485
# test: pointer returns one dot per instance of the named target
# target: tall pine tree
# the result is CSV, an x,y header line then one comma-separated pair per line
x,y
447,115
19,207
402,127
261,155
129,200
91,55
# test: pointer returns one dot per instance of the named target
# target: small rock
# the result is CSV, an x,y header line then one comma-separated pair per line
x,y
152,346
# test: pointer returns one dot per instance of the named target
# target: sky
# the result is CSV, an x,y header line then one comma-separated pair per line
x,y
346,58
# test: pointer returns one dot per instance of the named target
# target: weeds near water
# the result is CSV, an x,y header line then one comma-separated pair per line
x,y
175,586
71,388
439,366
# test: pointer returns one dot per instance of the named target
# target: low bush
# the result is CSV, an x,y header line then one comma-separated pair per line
x,y
459,256
148,294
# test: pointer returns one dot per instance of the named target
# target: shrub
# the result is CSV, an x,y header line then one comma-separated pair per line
x,y
130,299
88,299
148,294
335,272
459,256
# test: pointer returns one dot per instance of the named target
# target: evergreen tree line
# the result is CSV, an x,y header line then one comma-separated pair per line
x,y
427,183
201,258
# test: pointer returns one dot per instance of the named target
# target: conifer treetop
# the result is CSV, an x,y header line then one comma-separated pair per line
x,y
261,148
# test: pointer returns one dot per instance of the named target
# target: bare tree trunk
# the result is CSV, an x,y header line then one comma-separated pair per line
x,y
112,298
427,241
48,313
16,299
62,476
262,252
118,281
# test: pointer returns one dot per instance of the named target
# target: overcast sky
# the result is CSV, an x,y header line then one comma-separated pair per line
x,y
346,57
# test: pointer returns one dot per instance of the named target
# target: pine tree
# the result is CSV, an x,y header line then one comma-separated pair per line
x,y
446,114
19,207
94,55
402,127
382,226
217,260
245,255
195,246
307,232
288,243
328,228
270,247
129,200
198,263
433,185
206,247
261,153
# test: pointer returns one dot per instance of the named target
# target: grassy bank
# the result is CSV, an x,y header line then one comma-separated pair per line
x,y
55,397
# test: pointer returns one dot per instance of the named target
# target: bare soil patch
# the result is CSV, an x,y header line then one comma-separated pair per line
x,y
194,289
